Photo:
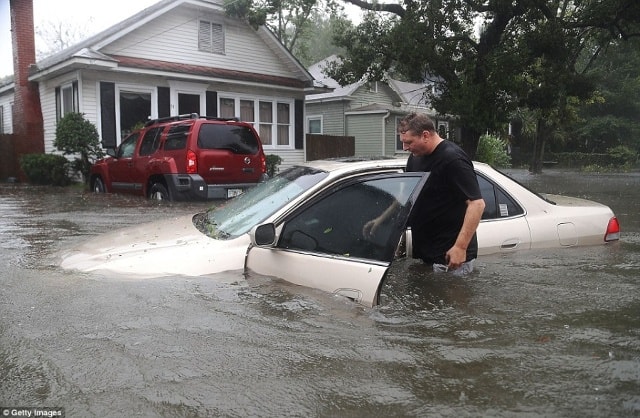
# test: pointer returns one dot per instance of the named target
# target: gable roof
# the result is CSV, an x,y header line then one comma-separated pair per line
x,y
86,54
411,94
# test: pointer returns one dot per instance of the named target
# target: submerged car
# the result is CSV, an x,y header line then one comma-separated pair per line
x,y
305,225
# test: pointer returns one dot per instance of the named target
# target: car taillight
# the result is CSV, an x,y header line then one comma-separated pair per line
x,y
192,162
613,230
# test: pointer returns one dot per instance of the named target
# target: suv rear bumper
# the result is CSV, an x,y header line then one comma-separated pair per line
x,y
193,186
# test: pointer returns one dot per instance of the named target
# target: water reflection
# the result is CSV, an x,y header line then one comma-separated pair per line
x,y
542,333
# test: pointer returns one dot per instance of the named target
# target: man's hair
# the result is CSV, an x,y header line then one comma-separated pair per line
x,y
417,123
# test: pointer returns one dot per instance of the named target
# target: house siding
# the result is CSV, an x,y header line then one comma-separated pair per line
x,y
173,37
89,100
364,96
7,119
367,129
333,120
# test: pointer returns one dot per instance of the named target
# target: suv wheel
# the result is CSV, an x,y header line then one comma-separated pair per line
x,y
159,192
98,185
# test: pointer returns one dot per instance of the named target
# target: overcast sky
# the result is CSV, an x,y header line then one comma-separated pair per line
x,y
97,15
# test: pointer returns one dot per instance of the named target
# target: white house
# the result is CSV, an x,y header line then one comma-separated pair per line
x,y
175,57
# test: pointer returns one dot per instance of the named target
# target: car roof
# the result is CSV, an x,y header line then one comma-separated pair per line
x,y
355,164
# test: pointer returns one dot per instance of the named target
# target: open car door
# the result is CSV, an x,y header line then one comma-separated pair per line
x,y
322,244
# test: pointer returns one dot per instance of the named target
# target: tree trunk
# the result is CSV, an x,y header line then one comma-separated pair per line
x,y
469,138
542,131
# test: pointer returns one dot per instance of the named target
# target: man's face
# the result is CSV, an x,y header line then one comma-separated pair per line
x,y
415,143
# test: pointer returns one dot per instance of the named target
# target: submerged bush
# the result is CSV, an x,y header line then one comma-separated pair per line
x,y
273,161
493,151
46,169
76,135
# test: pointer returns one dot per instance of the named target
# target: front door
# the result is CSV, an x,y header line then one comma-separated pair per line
x,y
323,244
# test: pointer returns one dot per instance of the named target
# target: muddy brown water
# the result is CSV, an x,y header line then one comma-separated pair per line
x,y
545,333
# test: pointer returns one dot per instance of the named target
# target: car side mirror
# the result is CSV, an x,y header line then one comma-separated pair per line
x,y
111,152
263,235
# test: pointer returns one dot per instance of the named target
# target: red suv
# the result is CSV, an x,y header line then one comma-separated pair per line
x,y
184,157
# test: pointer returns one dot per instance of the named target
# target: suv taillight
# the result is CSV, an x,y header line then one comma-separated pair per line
x,y
613,230
192,162
263,163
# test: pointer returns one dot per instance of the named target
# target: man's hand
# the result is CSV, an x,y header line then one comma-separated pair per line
x,y
455,257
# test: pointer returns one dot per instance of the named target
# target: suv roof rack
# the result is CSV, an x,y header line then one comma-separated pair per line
x,y
187,116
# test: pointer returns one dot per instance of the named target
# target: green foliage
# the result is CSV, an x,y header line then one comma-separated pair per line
x,y
273,161
493,151
622,156
611,118
76,135
46,169
525,55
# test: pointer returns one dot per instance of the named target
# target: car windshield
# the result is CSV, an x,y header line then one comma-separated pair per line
x,y
255,205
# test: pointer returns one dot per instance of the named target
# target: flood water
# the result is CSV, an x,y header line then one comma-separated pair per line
x,y
544,333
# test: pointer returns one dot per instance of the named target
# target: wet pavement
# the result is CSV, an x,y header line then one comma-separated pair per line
x,y
545,333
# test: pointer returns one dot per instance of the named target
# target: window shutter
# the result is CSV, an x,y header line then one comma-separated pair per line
x,y
108,114
58,105
299,124
74,89
164,102
217,38
212,103
210,37
204,36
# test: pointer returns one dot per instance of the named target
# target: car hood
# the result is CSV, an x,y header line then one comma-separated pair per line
x,y
162,248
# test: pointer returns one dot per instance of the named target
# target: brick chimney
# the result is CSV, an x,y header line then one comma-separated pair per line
x,y
27,113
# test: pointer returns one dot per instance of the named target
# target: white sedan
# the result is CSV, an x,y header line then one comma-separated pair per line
x,y
305,226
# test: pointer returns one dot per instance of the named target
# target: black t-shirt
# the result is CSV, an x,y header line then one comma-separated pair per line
x,y
439,211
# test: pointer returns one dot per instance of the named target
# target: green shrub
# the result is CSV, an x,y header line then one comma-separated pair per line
x,y
273,161
48,169
622,156
493,151
76,135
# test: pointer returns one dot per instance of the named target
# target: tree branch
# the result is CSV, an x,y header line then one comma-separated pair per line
x,y
379,7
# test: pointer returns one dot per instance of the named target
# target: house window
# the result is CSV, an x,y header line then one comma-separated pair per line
x,y
284,122
247,112
266,123
314,124
210,37
135,110
66,99
227,108
398,142
272,118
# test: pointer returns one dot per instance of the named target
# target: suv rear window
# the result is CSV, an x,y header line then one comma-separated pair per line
x,y
236,138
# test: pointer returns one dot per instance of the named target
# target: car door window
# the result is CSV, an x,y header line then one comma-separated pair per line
x,y
498,204
150,141
128,146
334,224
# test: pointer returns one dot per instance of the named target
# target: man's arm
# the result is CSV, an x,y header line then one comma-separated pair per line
x,y
458,253
370,227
